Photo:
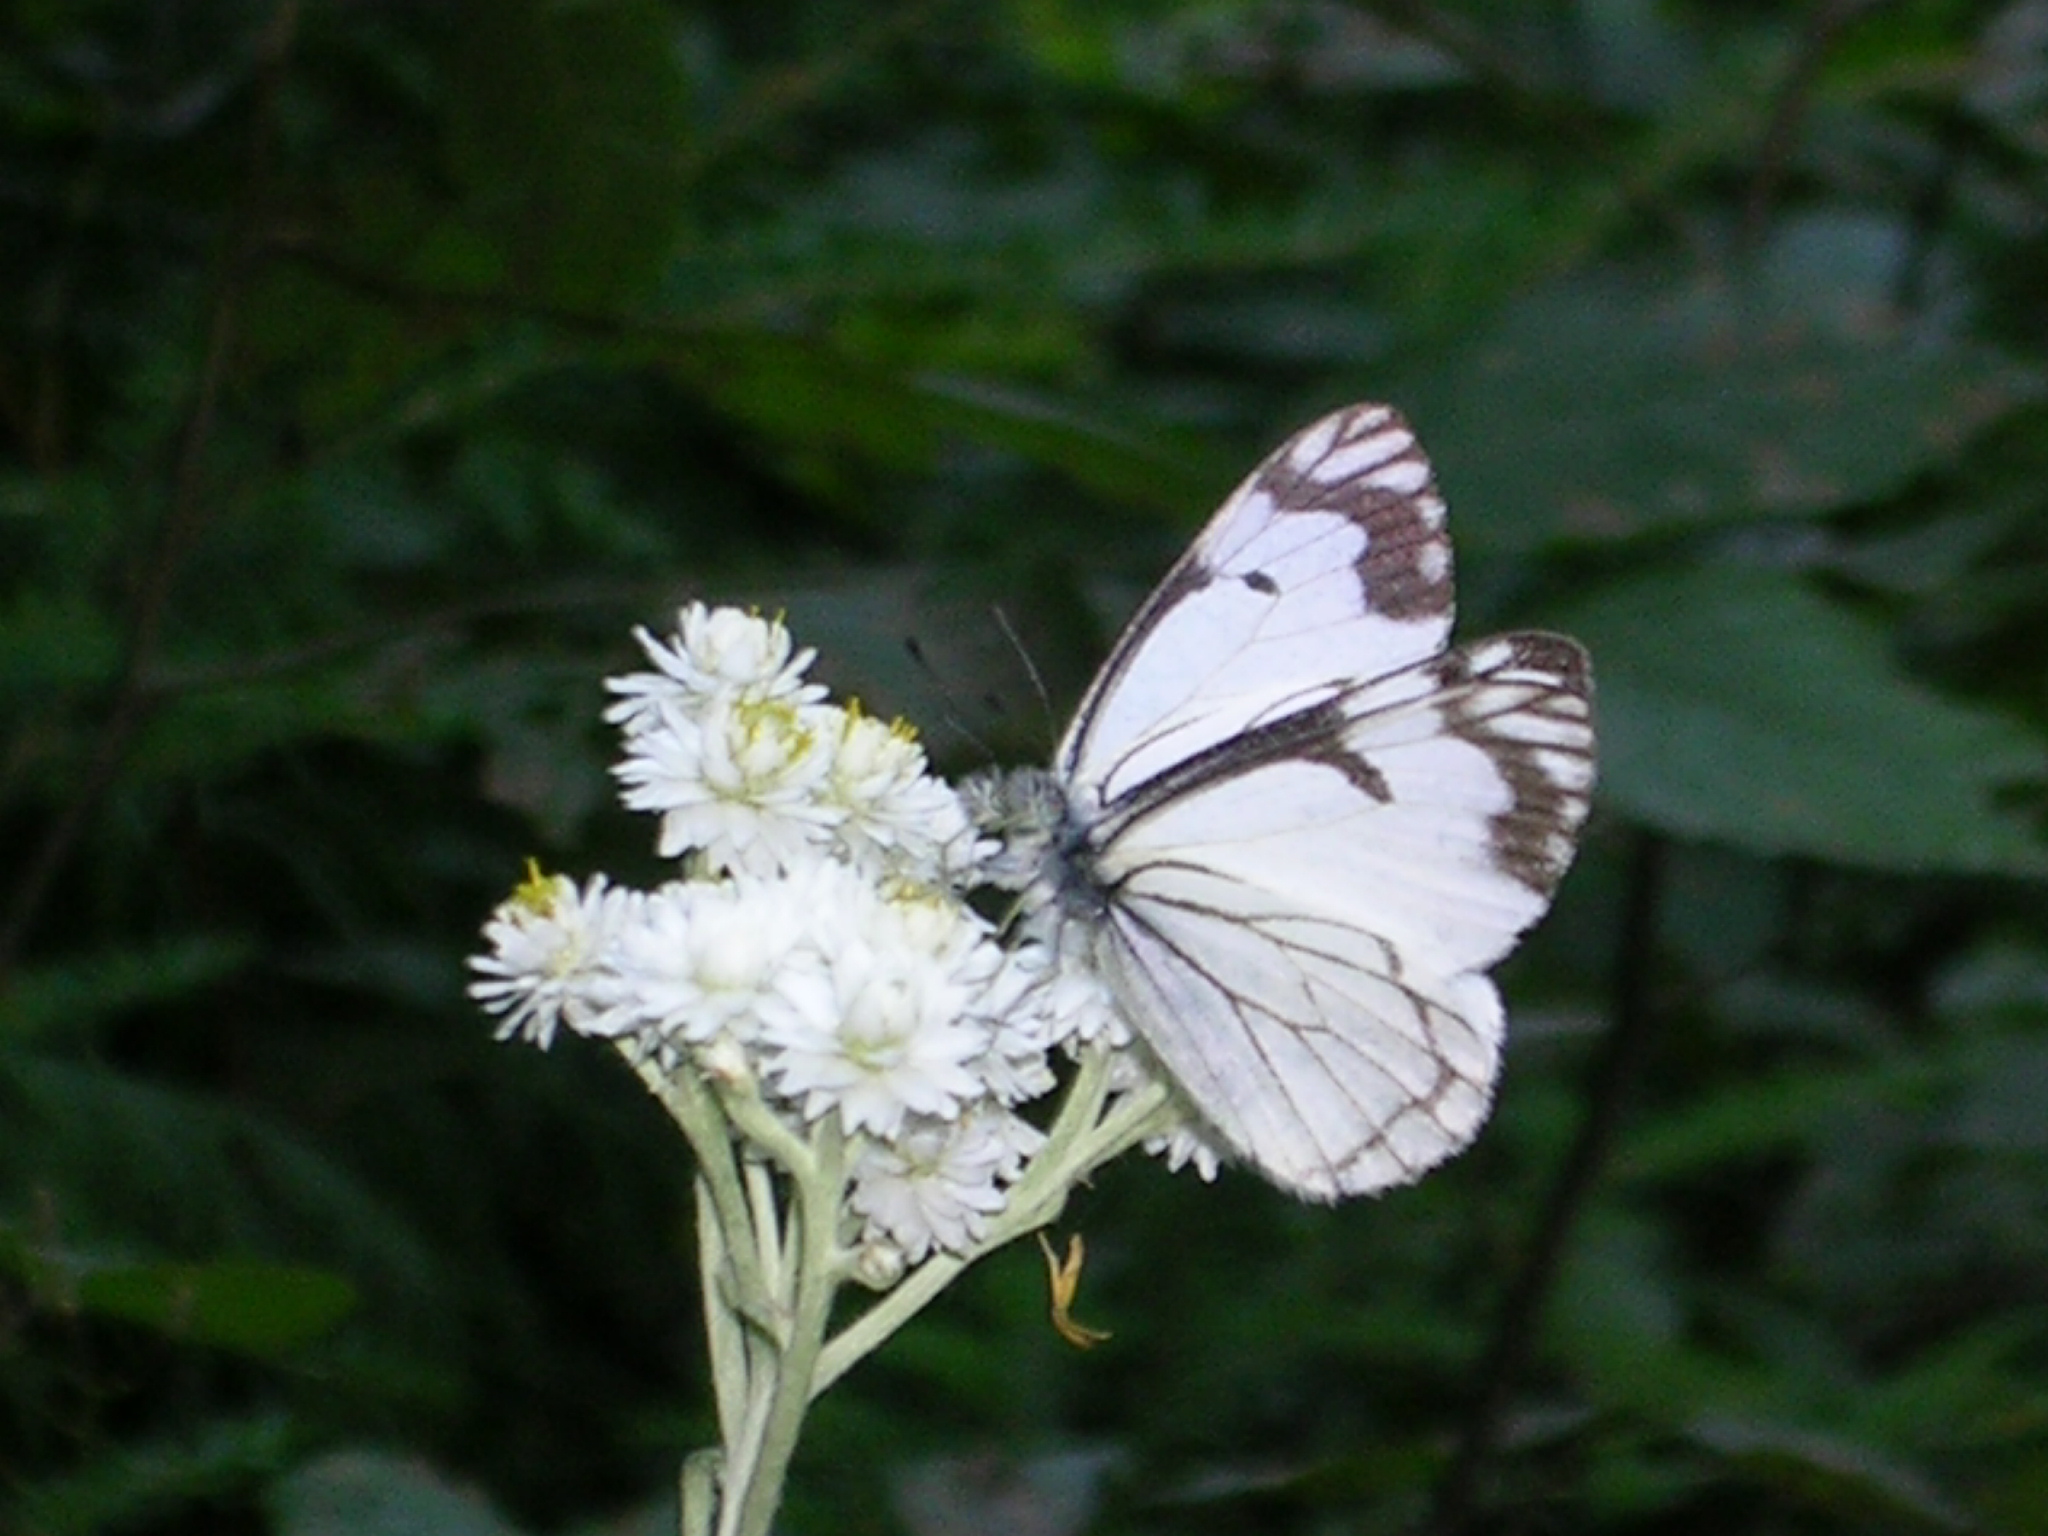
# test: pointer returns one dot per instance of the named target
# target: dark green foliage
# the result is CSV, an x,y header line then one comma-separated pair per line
x,y
369,371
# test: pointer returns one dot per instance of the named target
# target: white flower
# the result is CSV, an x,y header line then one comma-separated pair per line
x,y
1015,1004
715,652
549,949
1185,1146
1015,1068
937,1183
1187,1141
881,1028
705,954
1050,995
944,930
742,785
818,951
897,817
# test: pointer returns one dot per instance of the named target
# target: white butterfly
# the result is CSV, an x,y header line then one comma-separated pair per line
x,y
1290,830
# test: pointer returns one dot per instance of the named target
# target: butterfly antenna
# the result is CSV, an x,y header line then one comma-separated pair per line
x,y
948,699
1052,727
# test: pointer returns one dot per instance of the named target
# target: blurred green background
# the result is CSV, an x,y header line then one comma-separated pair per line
x,y
371,369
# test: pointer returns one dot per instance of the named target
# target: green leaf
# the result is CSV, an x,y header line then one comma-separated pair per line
x,y
1824,1472
1786,1112
72,998
53,643
570,126
152,1169
239,1304
1997,1107
1059,1493
1600,409
1736,705
131,1486
370,1493
811,397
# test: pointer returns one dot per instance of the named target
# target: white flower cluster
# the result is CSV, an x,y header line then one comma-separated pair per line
x,y
817,951
752,771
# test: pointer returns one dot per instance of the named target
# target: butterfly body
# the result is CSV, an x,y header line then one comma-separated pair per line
x,y
1290,829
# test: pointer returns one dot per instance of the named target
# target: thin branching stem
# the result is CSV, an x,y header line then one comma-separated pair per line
x,y
724,1329
689,1103
1794,99
811,1256
1076,1146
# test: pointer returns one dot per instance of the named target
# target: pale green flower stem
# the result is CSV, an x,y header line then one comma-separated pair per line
x,y
770,1271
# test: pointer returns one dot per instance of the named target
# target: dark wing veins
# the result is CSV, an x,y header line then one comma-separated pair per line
x,y
1311,735
1127,922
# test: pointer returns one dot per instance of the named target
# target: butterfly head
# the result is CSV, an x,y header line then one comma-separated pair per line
x,y
1043,850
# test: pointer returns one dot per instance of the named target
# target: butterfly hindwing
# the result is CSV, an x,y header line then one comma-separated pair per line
x,y
1298,922
1319,1057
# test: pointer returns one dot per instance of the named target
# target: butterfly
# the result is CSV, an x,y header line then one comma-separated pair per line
x,y
1290,828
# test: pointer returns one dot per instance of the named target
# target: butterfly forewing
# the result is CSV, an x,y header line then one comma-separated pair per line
x,y
1328,564
1303,829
